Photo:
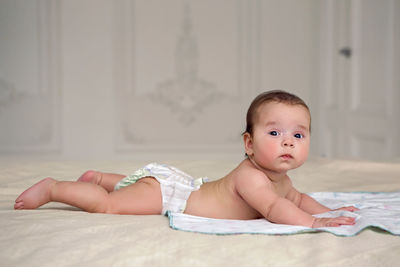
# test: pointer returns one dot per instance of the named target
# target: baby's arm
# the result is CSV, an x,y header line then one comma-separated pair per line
x,y
305,202
310,205
258,192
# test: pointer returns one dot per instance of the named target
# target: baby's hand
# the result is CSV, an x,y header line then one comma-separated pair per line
x,y
350,208
333,222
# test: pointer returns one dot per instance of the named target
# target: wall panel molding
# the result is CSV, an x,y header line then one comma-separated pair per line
x,y
30,107
170,86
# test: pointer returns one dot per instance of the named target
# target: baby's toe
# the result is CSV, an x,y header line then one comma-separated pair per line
x,y
19,205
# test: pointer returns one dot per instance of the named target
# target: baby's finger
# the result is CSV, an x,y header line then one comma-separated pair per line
x,y
350,208
345,220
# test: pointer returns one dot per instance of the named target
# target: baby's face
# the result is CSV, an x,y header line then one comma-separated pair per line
x,y
281,136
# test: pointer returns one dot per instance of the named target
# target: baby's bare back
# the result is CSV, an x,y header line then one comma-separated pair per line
x,y
220,199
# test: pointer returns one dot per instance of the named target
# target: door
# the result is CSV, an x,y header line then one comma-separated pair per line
x,y
359,87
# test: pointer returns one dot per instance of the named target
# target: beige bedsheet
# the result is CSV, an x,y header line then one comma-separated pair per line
x,y
58,235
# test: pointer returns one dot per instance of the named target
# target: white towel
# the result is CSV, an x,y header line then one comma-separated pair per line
x,y
378,210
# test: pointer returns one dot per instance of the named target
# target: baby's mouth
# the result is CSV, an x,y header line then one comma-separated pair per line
x,y
286,156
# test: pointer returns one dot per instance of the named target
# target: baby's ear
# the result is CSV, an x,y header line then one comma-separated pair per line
x,y
248,144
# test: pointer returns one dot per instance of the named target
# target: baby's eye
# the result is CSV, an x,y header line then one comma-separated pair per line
x,y
298,135
274,133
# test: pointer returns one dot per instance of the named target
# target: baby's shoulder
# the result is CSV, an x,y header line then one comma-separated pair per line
x,y
250,176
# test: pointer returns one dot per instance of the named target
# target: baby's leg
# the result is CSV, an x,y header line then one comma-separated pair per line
x,y
86,196
143,197
105,180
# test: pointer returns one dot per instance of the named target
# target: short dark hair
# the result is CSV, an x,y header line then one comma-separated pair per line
x,y
279,96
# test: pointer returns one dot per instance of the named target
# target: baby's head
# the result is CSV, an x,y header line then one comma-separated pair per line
x,y
277,96
277,135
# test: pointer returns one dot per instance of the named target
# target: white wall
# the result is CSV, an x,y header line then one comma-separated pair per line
x,y
87,79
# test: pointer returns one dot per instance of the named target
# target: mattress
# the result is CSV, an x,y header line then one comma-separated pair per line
x,y
59,235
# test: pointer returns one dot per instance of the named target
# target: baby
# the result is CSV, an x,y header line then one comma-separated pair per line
x,y
276,140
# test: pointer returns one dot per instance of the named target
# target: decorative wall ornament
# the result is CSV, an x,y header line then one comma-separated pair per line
x,y
183,84
8,94
186,94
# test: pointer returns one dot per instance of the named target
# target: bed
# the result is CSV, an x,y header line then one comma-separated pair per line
x,y
59,235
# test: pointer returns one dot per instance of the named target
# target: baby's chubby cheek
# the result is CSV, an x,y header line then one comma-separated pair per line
x,y
265,157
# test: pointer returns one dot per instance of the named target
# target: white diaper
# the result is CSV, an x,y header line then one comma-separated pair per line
x,y
176,186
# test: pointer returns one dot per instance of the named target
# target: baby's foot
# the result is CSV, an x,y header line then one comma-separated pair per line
x,y
93,177
35,196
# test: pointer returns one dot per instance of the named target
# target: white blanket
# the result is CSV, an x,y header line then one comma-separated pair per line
x,y
58,235
380,210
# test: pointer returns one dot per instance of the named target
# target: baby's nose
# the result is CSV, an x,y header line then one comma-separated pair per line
x,y
288,142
